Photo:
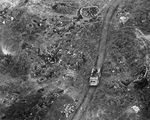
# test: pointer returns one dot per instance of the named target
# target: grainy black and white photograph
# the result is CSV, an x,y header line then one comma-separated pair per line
x,y
74,59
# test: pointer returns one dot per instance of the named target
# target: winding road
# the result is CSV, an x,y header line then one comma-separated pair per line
x,y
107,13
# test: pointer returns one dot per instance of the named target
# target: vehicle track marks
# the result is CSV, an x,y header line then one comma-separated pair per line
x,y
108,14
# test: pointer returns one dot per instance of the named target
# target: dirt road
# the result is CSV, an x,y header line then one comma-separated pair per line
x,y
107,13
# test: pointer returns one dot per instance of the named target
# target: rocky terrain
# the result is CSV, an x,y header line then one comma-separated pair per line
x,y
48,49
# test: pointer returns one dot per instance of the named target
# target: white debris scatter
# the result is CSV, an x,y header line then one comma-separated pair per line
x,y
123,17
136,109
68,109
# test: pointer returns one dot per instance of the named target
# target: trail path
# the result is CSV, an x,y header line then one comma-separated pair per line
x,y
107,14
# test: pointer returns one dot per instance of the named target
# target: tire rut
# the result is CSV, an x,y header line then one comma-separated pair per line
x,y
108,14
